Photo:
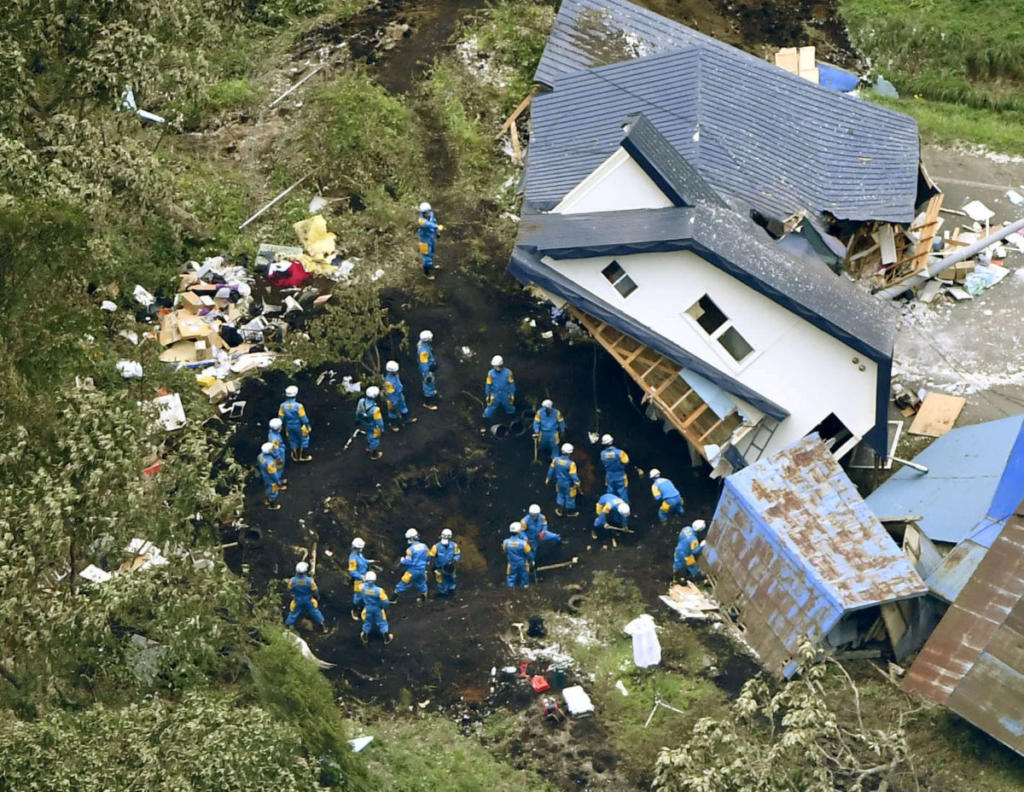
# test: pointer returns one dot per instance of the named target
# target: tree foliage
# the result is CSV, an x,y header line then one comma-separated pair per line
x,y
809,736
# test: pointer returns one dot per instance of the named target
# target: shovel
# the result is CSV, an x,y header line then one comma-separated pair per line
x,y
547,567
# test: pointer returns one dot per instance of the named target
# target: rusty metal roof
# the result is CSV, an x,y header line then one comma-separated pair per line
x,y
974,661
793,547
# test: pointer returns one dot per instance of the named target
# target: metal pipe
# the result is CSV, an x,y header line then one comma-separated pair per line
x,y
908,463
278,198
300,82
938,265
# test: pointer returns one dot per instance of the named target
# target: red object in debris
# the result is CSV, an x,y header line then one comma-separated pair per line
x,y
296,275
539,684
522,670
151,469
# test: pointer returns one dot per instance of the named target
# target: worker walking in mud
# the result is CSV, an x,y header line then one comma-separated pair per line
x,y
666,496
428,365
612,513
499,388
688,547
616,480
415,560
444,555
374,614
275,436
358,566
427,230
548,430
394,394
519,557
271,475
535,528
304,597
296,424
567,482
370,421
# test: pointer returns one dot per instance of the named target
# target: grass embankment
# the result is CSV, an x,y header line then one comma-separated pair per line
x,y
959,67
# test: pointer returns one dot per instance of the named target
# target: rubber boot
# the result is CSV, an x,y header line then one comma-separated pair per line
x,y
376,454
388,638
364,637
273,506
356,615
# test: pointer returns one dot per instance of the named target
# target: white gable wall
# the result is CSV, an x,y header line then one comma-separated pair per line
x,y
616,185
794,364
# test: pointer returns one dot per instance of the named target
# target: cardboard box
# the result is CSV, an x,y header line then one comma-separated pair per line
x,y
191,326
219,391
179,352
168,330
191,302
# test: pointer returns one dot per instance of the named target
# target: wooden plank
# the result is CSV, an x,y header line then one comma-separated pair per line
x,y
695,415
653,366
515,114
633,355
714,426
517,149
681,399
937,414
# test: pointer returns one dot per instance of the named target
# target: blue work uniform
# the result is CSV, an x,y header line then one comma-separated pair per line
x,y
357,566
427,364
375,601
445,556
667,497
500,391
615,478
304,600
415,562
296,424
369,418
271,475
277,438
563,470
551,428
394,395
427,228
687,549
519,554
607,510
535,529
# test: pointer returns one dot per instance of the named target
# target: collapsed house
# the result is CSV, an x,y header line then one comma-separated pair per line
x,y
793,552
683,199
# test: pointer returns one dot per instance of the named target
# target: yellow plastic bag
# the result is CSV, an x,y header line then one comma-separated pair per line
x,y
315,238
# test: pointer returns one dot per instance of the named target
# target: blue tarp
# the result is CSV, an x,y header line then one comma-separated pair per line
x,y
836,79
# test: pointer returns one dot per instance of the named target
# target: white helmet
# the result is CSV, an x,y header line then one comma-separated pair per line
x,y
372,392
358,543
370,577
424,207
275,424
412,535
291,391
547,404
515,527
699,525
301,568
624,509
567,448
607,440
446,533
497,361
392,366
267,448
426,335
654,473
534,509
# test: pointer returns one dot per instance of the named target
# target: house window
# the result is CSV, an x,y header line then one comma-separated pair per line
x,y
717,325
618,278
833,432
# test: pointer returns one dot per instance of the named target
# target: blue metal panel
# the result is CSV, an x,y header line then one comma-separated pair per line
x,y
956,569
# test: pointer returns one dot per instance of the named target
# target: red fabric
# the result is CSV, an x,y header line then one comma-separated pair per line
x,y
295,276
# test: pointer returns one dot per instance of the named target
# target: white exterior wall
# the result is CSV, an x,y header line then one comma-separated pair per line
x,y
616,185
794,364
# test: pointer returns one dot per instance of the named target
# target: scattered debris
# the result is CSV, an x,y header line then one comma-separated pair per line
x,y
130,369
358,743
170,412
646,647
937,414
689,602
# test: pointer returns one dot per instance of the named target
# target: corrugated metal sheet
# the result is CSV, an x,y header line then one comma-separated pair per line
x,y
974,661
753,131
793,548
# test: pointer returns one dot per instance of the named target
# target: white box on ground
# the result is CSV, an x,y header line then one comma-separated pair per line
x,y
577,701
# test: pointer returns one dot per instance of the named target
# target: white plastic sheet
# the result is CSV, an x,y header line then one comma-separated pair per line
x,y
646,647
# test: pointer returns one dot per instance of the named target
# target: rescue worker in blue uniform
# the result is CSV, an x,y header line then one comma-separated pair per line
x,y
614,459
275,436
666,496
375,602
535,528
548,429
370,420
687,549
415,563
394,395
611,511
270,474
519,555
444,555
304,597
296,423
357,569
567,482
499,388
427,229
428,365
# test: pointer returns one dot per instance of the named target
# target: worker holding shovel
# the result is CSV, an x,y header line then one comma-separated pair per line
x,y
567,482
548,429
